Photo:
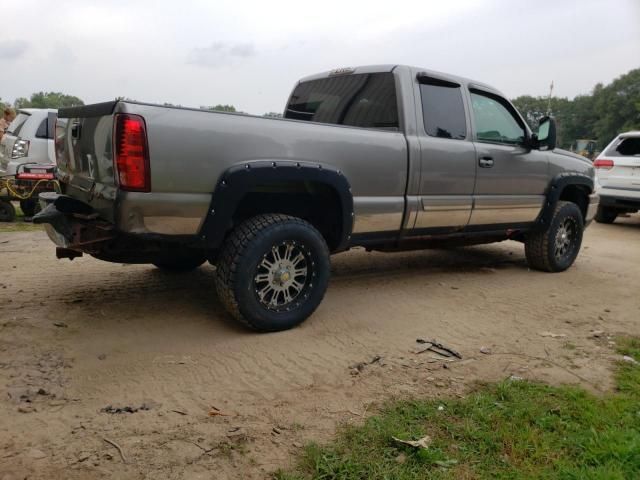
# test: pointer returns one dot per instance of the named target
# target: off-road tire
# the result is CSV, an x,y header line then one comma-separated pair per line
x,y
606,215
541,248
180,262
240,259
7,211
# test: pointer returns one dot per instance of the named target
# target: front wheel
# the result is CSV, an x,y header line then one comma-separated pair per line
x,y
273,272
556,248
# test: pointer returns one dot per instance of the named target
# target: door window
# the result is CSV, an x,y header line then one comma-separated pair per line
x,y
495,120
443,110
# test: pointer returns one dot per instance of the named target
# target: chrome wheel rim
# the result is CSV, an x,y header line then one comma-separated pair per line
x,y
283,276
565,239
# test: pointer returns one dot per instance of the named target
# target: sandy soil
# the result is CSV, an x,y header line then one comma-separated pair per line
x,y
80,340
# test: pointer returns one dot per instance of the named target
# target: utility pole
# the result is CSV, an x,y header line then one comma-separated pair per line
x,y
549,99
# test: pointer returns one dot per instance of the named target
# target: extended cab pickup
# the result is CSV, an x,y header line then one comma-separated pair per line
x,y
385,157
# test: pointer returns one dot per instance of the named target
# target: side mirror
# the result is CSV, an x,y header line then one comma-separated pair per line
x,y
547,133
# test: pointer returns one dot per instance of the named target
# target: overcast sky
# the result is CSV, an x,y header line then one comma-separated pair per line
x,y
250,53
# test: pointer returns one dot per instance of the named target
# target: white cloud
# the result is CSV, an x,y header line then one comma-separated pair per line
x,y
220,53
13,49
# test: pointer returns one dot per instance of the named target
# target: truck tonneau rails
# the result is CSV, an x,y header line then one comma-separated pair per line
x,y
388,157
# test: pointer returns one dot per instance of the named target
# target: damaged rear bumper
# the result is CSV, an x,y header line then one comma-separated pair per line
x,y
72,225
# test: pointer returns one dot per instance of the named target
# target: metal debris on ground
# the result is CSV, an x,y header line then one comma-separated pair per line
x,y
553,335
436,347
423,442
359,367
126,409
215,412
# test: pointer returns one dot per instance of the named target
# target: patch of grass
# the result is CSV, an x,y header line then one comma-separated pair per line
x,y
509,430
19,225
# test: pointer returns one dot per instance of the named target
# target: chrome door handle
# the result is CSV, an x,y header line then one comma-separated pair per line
x,y
486,162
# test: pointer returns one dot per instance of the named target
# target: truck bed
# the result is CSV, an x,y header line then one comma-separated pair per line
x,y
190,148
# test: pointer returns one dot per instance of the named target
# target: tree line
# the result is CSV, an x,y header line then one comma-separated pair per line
x,y
599,115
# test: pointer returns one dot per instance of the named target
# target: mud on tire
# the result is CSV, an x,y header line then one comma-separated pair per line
x,y
273,272
556,248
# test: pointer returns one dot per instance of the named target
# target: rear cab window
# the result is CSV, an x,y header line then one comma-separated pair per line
x,y
366,100
443,109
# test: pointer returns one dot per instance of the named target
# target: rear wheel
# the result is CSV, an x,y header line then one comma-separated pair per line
x,y
7,211
556,248
273,272
606,215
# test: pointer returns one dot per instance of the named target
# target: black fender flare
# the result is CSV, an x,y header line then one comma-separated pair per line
x,y
554,190
234,183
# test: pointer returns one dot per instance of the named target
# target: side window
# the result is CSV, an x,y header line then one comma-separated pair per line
x,y
51,125
494,120
43,129
360,100
442,109
629,147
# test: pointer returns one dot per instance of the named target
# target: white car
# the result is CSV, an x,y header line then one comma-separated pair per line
x,y
29,139
618,173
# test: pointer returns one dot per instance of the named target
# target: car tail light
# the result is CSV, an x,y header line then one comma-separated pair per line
x,y
603,163
20,148
131,153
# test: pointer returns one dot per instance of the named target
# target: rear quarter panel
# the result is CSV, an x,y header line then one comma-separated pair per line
x,y
190,149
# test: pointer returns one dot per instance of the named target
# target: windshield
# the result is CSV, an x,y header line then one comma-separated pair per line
x,y
361,100
18,122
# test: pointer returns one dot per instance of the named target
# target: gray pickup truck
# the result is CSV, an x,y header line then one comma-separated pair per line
x,y
385,157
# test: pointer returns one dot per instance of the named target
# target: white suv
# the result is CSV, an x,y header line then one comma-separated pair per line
x,y
29,139
618,173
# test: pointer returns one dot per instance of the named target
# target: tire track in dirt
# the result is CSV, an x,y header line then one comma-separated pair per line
x,y
166,339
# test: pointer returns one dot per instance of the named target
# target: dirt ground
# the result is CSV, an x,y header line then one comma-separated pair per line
x,y
82,340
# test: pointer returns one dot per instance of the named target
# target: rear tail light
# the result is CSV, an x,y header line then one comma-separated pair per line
x,y
20,148
131,153
603,163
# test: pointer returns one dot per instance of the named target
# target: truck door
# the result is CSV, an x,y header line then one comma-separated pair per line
x,y
511,178
447,157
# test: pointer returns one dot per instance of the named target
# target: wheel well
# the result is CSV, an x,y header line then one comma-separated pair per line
x,y
317,203
578,194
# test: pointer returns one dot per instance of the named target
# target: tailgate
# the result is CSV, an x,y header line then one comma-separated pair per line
x,y
84,155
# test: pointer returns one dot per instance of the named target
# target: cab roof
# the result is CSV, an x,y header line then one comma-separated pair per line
x,y
414,71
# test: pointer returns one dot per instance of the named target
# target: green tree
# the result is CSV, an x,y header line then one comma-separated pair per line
x,y
48,100
221,108
600,115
